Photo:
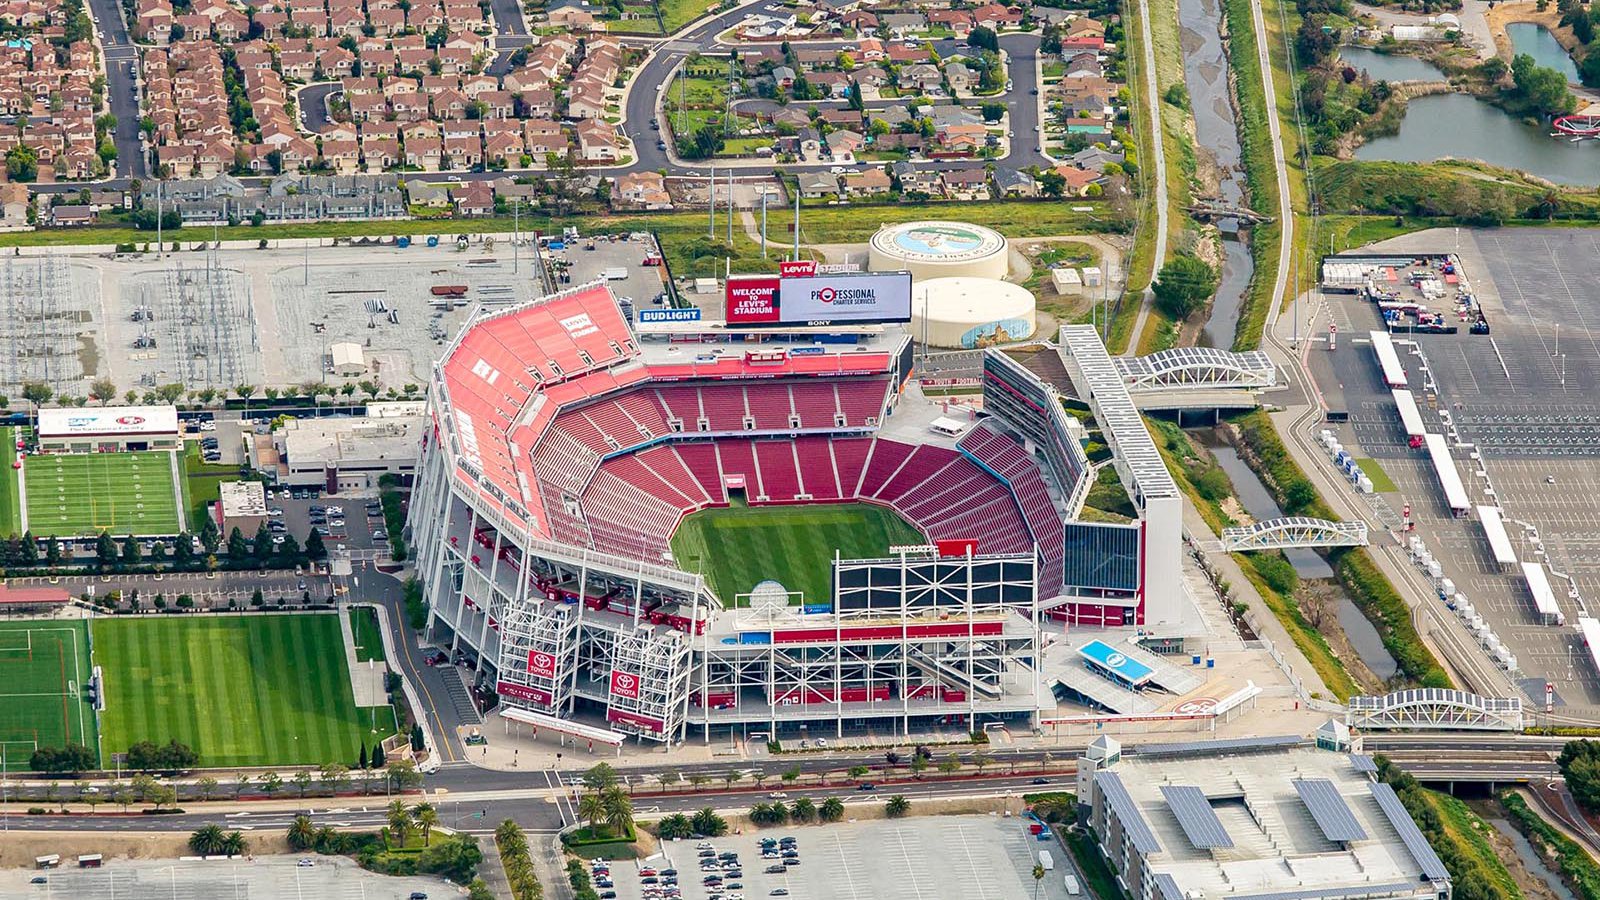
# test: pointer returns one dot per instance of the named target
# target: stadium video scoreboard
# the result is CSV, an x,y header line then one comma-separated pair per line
x,y
803,295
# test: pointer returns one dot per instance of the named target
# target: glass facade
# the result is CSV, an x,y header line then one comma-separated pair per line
x,y
1101,558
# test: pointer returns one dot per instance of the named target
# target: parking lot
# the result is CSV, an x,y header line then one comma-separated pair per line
x,y
1527,434
589,258
259,878
978,857
358,529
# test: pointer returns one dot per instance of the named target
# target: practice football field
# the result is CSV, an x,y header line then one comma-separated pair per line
x,y
738,547
44,665
241,690
123,493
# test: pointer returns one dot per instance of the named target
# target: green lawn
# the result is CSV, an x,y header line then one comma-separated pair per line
x,y
1381,482
738,547
44,665
241,690
364,629
123,493
10,486
202,482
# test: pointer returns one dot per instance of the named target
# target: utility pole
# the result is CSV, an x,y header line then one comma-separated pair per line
x,y
158,218
763,223
730,206
711,203
796,218
516,234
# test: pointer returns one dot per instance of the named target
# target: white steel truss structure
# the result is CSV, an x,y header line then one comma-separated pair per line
x,y
1434,709
1199,368
1294,532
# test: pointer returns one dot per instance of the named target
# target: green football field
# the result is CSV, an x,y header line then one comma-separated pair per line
x,y
241,690
44,665
87,493
738,547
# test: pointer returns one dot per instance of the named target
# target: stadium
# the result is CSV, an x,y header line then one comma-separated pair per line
x,y
563,545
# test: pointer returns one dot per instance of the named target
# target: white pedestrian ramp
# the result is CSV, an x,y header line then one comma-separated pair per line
x,y
1165,674
1072,680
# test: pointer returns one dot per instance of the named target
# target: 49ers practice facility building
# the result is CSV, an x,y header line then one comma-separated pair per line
x,y
565,447
108,429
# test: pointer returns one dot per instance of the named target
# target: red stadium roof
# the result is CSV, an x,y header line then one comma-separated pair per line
x,y
32,596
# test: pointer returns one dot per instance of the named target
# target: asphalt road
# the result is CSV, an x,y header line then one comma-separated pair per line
x,y
120,58
312,102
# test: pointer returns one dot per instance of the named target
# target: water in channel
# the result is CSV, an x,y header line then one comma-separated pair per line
x,y
1532,860
1389,66
1539,43
1205,73
1258,502
1462,126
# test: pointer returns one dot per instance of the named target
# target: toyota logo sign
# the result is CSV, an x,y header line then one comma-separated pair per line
x,y
540,663
625,684
131,420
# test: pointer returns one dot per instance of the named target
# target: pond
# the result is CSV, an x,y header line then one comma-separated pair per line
x,y
1258,502
1205,73
1389,66
1539,43
1462,126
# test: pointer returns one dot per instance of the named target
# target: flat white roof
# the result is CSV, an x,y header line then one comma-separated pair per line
x,y
1410,418
347,353
242,498
1544,599
1590,629
1455,494
1394,374
108,421
1494,528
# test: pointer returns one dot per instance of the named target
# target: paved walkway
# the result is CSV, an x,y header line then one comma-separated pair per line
x,y
366,678
1153,110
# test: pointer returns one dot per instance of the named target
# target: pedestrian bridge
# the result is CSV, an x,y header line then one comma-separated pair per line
x,y
1294,532
1197,369
1434,709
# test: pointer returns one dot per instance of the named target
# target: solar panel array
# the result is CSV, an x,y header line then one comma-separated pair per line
x,y
1199,822
1363,763
1225,745
1119,418
1336,892
1133,823
1416,844
1321,796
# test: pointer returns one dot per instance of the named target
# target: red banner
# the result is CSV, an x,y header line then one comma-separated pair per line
x,y
521,692
624,684
541,663
646,722
957,546
802,268
752,301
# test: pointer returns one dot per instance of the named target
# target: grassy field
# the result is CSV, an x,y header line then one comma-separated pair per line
x,y
202,481
364,629
44,665
242,691
10,484
1381,482
738,547
124,493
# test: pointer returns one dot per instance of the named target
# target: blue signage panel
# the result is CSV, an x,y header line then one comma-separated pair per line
x,y
692,314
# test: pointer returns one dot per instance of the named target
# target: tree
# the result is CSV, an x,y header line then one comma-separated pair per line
x,y
804,811
270,783
261,547
183,550
949,765
238,547
591,808
832,810
618,810
130,551
335,777
22,163
52,552
1580,766
290,550
417,742
302,782
674,827
791,775
163,795
104,390
207,840
315,548
427,819
361,758
402,773
896,807
919,764
980,759
399,817
1038,879
105,551
38,394
1544,89
708,823
234,844
68,760
984,38
379,759
206,787
857,773
302,834
1184,285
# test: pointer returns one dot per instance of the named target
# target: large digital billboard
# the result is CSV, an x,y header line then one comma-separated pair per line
x,y
824,299
819,300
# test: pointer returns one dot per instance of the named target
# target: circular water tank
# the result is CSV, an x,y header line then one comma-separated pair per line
x,y
966,313
934,249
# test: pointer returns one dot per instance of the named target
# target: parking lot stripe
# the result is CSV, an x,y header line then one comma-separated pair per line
x,y
905,855
844,862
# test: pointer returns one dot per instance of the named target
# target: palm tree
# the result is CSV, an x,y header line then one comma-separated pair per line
x,y
832,810
302,833
897,807
427,818
234,844
399,821
591,809
1038,878
619,810
207,840
804,811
